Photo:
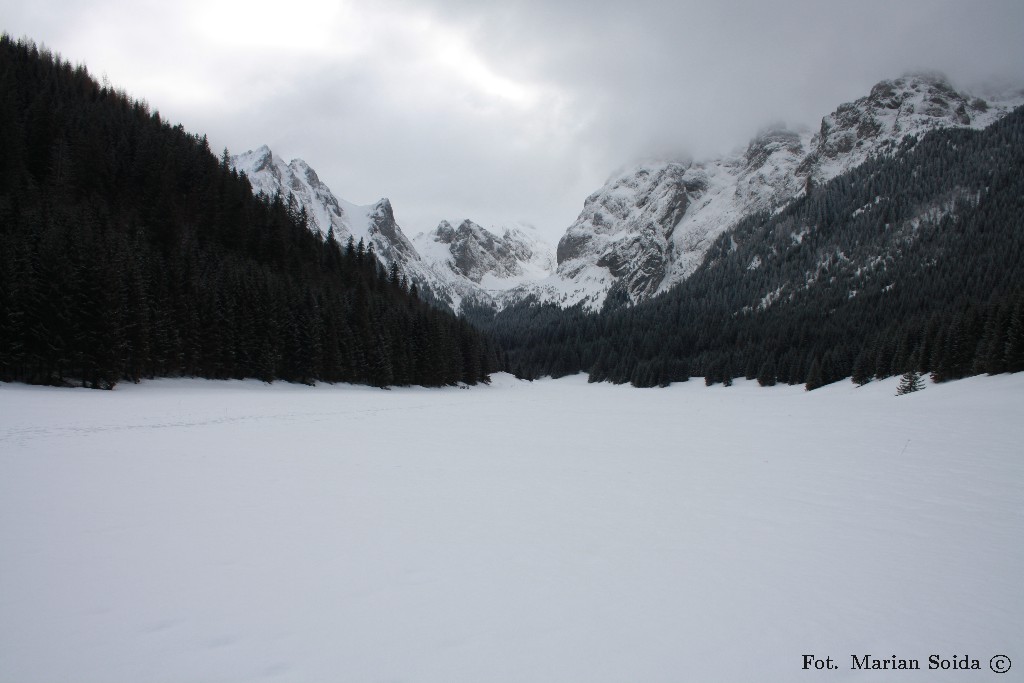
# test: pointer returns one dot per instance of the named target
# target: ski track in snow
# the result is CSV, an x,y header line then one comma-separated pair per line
x,y
21,436
186,530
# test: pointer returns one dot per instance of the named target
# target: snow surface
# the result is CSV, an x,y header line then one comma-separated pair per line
x,y
186,530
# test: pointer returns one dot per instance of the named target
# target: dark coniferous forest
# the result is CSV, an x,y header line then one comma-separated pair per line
x,y
129,250
913,262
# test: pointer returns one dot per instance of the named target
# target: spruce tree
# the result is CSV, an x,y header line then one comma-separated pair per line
x,y
766,376
815,378
910,383
862,368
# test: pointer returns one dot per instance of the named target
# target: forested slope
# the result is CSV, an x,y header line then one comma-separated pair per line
x,y
913,261
129,250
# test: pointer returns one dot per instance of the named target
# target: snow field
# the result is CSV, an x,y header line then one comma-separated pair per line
x,y
185,530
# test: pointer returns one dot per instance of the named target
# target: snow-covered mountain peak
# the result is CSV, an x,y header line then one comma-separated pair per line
x,y
632,198
772,141
624,232
649,226
373,224
270,175
383,210
495,262
388,237
303,171
460,264
894,109
257,161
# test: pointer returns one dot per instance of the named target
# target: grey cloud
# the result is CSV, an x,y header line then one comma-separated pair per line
x,y
614,82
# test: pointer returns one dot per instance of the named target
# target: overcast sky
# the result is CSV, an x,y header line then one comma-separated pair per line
x,y
516,110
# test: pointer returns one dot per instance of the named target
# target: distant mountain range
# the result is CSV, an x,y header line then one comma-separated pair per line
x,y
888,241
450,265
650,226
910,263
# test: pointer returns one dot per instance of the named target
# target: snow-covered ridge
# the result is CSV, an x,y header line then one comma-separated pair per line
x,y
650,226
449,265
894,109
269,174
495,262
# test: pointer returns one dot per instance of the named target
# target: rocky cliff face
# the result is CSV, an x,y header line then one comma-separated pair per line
x,y
626,228
487,259
482,266
456,266
372,224
894,109
650,226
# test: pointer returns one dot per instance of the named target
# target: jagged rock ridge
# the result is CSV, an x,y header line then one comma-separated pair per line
x,y
650,226
494,262
457,266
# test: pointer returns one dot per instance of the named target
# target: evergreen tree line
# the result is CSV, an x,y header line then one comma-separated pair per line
x,y
913,261
129,250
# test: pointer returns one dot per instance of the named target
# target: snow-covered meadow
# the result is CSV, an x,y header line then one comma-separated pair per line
x,y
185,530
